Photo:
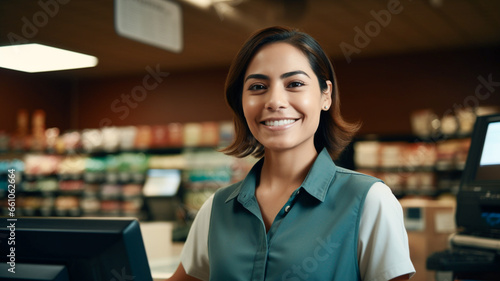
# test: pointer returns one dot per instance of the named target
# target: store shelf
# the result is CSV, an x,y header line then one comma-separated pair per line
x,y
413,166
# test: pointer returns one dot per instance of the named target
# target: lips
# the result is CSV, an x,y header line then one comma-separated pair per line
x,y
277,123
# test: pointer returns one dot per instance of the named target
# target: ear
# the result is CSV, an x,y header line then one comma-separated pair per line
x,y
326,96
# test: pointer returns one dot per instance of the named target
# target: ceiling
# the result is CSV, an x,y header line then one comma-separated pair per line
x,y
212,36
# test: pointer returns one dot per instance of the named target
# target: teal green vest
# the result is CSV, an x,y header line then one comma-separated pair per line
x,y
314,236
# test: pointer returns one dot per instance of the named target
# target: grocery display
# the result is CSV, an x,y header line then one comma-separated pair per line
x,y
103,172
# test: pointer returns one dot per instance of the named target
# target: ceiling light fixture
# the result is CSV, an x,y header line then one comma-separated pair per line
x,y
205,4
40,58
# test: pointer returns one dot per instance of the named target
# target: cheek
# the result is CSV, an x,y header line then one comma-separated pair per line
x,y
249,106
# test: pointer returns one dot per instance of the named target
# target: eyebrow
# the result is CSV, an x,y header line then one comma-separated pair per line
x,y
282,76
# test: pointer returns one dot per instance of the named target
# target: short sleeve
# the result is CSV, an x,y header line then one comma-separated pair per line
x,y
194,255
383,250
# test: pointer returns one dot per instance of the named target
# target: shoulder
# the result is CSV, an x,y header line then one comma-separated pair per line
x,y
343,172
352,181
381,198
228,192
383,251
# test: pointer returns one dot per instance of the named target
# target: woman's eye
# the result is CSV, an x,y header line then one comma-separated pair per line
x,y
295,84
256,87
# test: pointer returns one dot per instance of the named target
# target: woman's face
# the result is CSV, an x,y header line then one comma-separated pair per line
x,y
282,100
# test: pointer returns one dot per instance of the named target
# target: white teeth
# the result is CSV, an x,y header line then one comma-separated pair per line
x,y
280,122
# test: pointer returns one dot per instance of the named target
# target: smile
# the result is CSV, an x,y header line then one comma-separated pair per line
x,y
277,123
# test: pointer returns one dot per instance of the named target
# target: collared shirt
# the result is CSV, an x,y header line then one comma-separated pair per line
x,y
315,236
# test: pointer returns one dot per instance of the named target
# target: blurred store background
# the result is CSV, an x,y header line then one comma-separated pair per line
x,y
139,134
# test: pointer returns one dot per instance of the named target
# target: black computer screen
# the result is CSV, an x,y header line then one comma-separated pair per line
x,y
489,163
72,249
478,200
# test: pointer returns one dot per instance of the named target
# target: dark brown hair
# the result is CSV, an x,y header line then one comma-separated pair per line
x,y
333,132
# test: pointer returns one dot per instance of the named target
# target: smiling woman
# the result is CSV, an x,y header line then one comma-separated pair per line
x,y
282,107
296,215
333,132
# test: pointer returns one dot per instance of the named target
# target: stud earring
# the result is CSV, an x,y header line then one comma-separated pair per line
x,y
325,107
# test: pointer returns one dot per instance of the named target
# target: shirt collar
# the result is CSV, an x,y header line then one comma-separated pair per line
x,y
316,182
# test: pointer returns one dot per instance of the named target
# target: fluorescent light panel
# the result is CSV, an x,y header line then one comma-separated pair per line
x,y
201,3
40,58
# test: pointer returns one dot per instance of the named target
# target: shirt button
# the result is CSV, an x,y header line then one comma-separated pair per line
x,y
287,209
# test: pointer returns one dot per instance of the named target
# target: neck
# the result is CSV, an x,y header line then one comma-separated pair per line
x,y
286,169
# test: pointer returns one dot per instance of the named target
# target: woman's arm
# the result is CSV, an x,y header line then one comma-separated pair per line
x,y
180,275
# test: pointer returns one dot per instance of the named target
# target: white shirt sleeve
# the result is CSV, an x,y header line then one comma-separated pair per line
x,y
383,251
194,255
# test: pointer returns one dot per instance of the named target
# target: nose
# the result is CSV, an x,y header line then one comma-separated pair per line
x,y
276,99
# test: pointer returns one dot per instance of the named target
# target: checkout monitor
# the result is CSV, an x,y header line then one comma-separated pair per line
x,y
478,200
77,249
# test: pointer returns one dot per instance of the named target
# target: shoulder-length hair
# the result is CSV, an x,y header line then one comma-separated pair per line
x,y
333,132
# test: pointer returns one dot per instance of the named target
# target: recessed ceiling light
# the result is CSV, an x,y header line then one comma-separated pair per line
x,y
201,3
40,58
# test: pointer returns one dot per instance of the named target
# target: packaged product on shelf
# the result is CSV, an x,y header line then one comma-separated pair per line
x,y
132,206
466,119
48,184
424,123
91,189
38,130
112,164
110,139
39,164
71,185
72,141
366,154
159,136
143,137
67,205
29,205
111,191
71,167
92,140
95,169
209,134
90,206
451,154
391,154
192,134
47,206
132,167
127,138
419,155
449,125
51,136
18,143
110,207
22,122
167,162
131,190
175,135
422,183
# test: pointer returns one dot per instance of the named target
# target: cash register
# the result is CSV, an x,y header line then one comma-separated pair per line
x,y
474,250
